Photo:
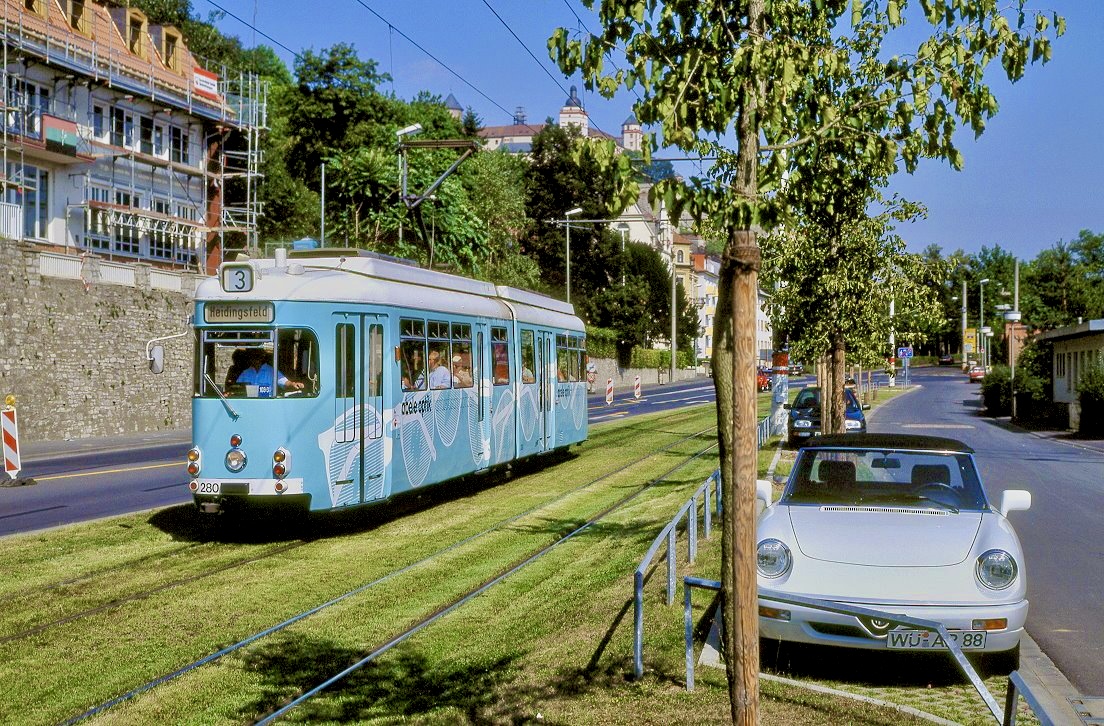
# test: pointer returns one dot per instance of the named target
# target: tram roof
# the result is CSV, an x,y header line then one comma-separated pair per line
x,y
346,276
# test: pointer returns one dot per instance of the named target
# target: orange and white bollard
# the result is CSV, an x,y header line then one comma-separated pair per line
x,y
636,388
609,391
10,425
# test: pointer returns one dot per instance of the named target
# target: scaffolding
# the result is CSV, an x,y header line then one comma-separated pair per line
x,y
247,95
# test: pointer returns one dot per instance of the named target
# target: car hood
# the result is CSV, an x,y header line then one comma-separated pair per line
x,y
884,536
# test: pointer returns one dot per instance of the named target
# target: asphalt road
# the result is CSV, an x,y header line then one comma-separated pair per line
x,y
1061,533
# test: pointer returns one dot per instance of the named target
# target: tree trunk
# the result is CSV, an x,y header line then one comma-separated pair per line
x,y
838,370
736,413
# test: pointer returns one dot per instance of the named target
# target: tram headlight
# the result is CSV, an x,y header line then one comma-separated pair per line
x,y
235,460
194,461
281,462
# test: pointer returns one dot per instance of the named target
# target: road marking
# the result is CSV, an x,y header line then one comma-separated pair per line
x,y
109,471
936,426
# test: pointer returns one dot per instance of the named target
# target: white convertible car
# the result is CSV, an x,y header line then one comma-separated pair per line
x,y
895,523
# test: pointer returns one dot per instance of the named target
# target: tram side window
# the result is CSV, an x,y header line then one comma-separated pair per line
x,y
413,351
500,354
578,362
461,361
528,357
440,355
567,360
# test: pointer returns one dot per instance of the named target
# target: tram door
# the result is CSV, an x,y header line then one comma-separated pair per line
x,y
546,364
358,462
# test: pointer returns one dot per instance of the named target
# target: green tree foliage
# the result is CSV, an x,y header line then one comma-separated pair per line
x,y
640,308
336,108
1090,395
774,76
565,172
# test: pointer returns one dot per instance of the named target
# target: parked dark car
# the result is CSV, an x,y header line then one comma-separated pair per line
x,y
804,419
946,360
796,369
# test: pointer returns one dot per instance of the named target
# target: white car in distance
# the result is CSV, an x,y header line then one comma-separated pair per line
x,y
900,524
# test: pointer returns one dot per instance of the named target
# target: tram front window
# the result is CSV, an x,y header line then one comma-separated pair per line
x,y
257,363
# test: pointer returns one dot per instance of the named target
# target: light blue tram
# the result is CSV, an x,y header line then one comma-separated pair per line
x,y
335,378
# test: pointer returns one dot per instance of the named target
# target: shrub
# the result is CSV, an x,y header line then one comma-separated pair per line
x,y
1090,394
996,391
601,342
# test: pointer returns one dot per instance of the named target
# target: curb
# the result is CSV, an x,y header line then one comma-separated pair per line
x,y
856,697
1049,685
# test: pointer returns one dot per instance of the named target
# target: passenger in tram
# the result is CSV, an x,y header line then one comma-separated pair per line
x,y
440,376
260,372
461,374
413,378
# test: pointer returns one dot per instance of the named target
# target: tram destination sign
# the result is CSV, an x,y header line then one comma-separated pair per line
x,y
239,312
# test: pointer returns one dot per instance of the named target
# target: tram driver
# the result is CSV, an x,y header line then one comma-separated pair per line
x,y
260,373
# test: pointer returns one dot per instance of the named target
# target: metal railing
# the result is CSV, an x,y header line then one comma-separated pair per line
x,y
1016,684
763,431
668,536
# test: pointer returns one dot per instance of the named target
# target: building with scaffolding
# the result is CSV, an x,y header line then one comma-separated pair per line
x,y
119,143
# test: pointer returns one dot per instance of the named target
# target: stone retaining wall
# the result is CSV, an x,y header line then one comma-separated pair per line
x,y
74,354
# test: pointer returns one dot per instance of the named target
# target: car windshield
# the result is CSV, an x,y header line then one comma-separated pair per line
x,y
868,477
810,398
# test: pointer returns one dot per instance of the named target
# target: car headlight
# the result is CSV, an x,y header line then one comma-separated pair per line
x,y
772,558
852,425
235,459
802,423
996,569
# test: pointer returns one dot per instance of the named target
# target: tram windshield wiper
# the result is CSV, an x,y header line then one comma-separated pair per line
x,y
225,402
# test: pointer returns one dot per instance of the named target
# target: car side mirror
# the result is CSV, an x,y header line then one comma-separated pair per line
x,y
763,491
1015,500
786,406
866,407
156,359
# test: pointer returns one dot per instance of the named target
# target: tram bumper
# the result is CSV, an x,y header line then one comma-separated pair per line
x,y
213,496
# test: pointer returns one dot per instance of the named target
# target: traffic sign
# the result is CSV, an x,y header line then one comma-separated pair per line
x,y
904,352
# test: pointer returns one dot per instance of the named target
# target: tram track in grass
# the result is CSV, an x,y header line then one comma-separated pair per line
x,y
450,607
662,435
363,588
100,588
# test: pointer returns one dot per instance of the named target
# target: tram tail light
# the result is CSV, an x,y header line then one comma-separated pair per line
x,y
281,463
193,485
194,461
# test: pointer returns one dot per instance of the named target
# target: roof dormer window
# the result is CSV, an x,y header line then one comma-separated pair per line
x,y
38,7
78,18
169,52
136,33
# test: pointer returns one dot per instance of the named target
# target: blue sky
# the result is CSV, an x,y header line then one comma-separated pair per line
x,y
1034,177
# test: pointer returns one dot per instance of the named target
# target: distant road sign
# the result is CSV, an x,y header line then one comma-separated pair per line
x,y
904,352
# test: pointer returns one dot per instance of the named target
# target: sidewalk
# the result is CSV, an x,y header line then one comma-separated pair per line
x,y
41,450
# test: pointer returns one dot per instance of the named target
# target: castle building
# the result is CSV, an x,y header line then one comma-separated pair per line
x,y
517,137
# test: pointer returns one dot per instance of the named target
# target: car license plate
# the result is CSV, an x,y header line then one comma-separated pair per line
x,y
208,487
927,640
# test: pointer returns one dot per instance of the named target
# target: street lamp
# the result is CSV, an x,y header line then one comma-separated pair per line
x,y
981,322
567,230
405,131
623,228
